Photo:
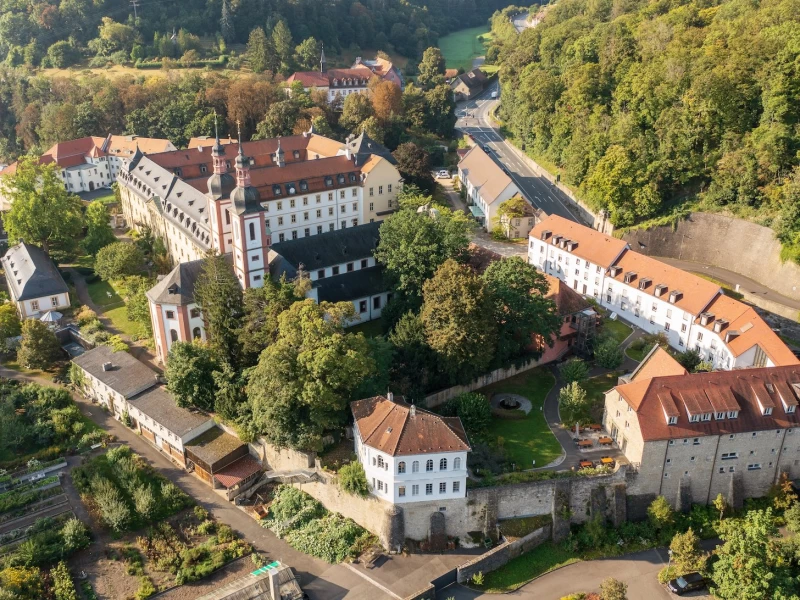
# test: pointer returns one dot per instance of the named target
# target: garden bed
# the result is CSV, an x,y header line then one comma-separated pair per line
x,y
519,527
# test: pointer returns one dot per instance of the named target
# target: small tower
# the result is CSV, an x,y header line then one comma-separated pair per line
x,y
242,163
323,64
280,156
218,153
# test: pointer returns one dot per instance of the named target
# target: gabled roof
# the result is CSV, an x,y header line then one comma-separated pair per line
x,y
126,375
400,429
177,287
745,391
657,363
309,79
31,274
695,292
331,247
473,79
484,174
747,329
364,146
596,247
159,405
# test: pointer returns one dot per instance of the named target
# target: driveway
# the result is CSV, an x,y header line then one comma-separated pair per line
x,y
638,570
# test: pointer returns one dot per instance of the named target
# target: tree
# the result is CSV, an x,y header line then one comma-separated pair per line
x,y
279,120
720,504
219,296
356,109
573,404
42,212
608,354
303,381
230,385
282,42
24,583
431,68
75,535
573,370
613,589
137,306
660,513
144,501
98,228
260,52
521,309
414,365
118,260
782,493
686,553
792,517
307,54
10,325
413,246
62,55
262,307
750,564
440,110
689,359
386,101
458,321
63,587
414,164
226,25
353,479
474,411
190,374
39,346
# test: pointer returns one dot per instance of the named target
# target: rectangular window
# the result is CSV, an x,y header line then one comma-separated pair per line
x,y
389,188
306,232
380,486
280,205
330,211
350,267
355,193
321,274
415,490
371,193
305,216
280,221
364,263
355,222
456,487
380,189
281,237
330,196
336,270
343,209
376,302
319,228
54,300
294,218
170,314
666,326
401,491
443,487
341,194
428,489
362,306
729,456
291,205
319,198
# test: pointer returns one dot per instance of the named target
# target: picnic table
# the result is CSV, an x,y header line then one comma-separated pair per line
x,y
594,427
585,444
607,460
586,464
605,441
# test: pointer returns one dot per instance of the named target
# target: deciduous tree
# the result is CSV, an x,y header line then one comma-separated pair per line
x,y
39,346
98,228
356,109
613,589
307,54
190,374
262,307
42,212
431,68
386,101
10,325
573,370
686,553
118,260
414,164
573,404
458,320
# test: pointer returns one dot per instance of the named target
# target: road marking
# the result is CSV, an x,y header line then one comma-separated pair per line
x,y
372,581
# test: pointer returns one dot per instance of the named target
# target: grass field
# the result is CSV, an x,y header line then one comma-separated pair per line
x,y
530,438
460,47
530,565
119,320
619,331
638,354
595,390
103,294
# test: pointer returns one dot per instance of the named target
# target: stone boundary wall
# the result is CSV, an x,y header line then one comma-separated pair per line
x,y
734,244
502,554
444,395
426,593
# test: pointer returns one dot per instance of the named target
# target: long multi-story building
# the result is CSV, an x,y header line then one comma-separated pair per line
x,y
691,312
699,434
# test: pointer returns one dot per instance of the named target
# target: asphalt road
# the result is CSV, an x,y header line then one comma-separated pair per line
x,y
473,119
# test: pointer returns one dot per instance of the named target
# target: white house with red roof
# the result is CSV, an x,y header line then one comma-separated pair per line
x,y
92,163
692,312
694,433
410,454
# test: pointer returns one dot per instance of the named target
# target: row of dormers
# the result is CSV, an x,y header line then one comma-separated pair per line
x,y
348,82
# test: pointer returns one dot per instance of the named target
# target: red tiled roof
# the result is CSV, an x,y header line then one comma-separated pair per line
x,y
237,472
309,79
596,247
658,363
397,428
745,390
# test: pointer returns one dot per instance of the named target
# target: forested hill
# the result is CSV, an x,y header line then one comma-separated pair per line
x,y
29,27
650,106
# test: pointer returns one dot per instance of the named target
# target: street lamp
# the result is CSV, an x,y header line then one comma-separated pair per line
x,y
669,552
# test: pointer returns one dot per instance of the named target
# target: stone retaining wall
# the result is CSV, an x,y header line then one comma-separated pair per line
x,y
502,554
426,593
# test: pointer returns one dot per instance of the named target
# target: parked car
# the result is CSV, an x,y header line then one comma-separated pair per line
x,y
486,149
443,174
687,583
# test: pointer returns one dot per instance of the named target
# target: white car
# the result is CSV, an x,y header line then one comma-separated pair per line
x,y
443,174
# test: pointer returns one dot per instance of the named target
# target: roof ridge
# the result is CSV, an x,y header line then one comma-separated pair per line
x,y
402,426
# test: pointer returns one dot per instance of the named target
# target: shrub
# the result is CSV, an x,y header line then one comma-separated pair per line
x,y
225,534
608,354
477,579
353,479
792,517
573,370
613,589
75,535
474,411
144,501
63,587
332,538
200,513
146,588
660,513
689,359
85,315
666,574
206,527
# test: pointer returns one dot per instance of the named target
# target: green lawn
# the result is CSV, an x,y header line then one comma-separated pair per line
x,y
120,322
530,438
527,567
460,47
372,328
638,355
619,331
103,294
595,391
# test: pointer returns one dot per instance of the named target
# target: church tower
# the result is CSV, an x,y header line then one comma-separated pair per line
x,y
220,186
323,64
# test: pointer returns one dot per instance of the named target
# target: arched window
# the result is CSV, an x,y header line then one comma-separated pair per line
x,y
173,335
401,467
415,467
429,466
443,464
456,464
252,231
196,333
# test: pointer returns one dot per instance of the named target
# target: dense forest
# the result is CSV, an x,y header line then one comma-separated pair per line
x,y
652,107
59,33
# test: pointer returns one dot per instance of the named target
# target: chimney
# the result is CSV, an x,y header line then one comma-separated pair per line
x,y
390,396
107,366
412,411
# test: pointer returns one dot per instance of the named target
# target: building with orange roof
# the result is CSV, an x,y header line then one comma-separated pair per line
x,y
487,187
410,454
92,163
691,312
697,435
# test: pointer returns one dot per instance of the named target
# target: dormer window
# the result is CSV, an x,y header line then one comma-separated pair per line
x,y
303,185
694,418
340,179
660,289
329,181
706,417
290,189
296,153
276,190
353,178
767,411
732,414
672,420
719,416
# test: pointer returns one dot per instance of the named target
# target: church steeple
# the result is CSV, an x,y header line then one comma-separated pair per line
x,y
323,64
218,152
242,163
